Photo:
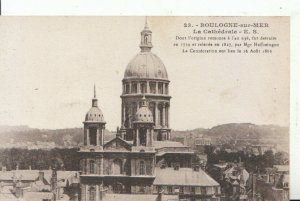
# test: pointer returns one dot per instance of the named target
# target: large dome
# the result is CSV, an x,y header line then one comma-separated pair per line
x,y
146,65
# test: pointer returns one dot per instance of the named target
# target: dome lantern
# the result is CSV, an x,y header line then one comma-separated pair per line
x,y
146,37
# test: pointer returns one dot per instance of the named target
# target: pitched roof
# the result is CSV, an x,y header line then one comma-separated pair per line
x,y
183,177
282,168
138,197
161,144
117,144
32,175
38,196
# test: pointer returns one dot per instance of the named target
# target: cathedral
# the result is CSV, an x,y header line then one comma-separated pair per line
x,y
141,159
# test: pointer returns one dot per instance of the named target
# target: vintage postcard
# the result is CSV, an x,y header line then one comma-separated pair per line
x,y
145,108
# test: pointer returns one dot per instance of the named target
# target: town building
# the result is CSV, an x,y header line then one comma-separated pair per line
x,y
38,185
141,163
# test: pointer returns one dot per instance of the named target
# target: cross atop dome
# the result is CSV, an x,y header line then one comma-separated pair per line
x,y
146,37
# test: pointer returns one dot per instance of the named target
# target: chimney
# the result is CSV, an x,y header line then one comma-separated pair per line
x,y
19,190
41,175
118,133
176,166
196,168
160,194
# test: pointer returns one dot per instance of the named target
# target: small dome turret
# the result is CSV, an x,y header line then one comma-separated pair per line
x,y
94,114
144,115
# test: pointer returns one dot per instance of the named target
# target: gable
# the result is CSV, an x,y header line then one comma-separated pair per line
x,y
117,144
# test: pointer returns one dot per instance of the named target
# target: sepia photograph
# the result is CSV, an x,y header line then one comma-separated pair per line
x,y
152,108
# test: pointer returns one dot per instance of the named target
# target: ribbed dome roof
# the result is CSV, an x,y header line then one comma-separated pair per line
x,y
143,115
94,115
146,65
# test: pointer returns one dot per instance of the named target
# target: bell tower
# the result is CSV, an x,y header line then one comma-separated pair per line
x,y
94,125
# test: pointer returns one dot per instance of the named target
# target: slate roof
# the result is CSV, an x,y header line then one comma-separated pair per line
x,y
161,144
32,175
282,168
183,177
138,197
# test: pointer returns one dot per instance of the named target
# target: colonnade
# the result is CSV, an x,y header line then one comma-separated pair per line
x,y
148,87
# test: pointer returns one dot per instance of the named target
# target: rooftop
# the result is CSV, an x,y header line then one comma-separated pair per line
x,y
138,197
183,177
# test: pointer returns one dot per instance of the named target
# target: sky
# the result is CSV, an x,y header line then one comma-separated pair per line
x,y
49,65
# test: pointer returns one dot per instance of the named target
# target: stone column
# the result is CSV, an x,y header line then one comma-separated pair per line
x,y
164,115
87,136
156,115
98,143
137,139
86,193
148,87
151,137
124,115
138,87
130,87
97,192
102,134
83,191
156,87
130,116
166,89
168,113
101,165
147,137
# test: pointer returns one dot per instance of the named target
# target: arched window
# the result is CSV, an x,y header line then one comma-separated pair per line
x,y
92,194
117,167
92,167
142,168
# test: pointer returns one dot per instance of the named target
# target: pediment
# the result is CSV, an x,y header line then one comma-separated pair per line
x,y
117,144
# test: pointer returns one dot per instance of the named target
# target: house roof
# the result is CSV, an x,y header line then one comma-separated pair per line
x,y
282,168
32,175
161,144
117,144
183,177
38,196
138,197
